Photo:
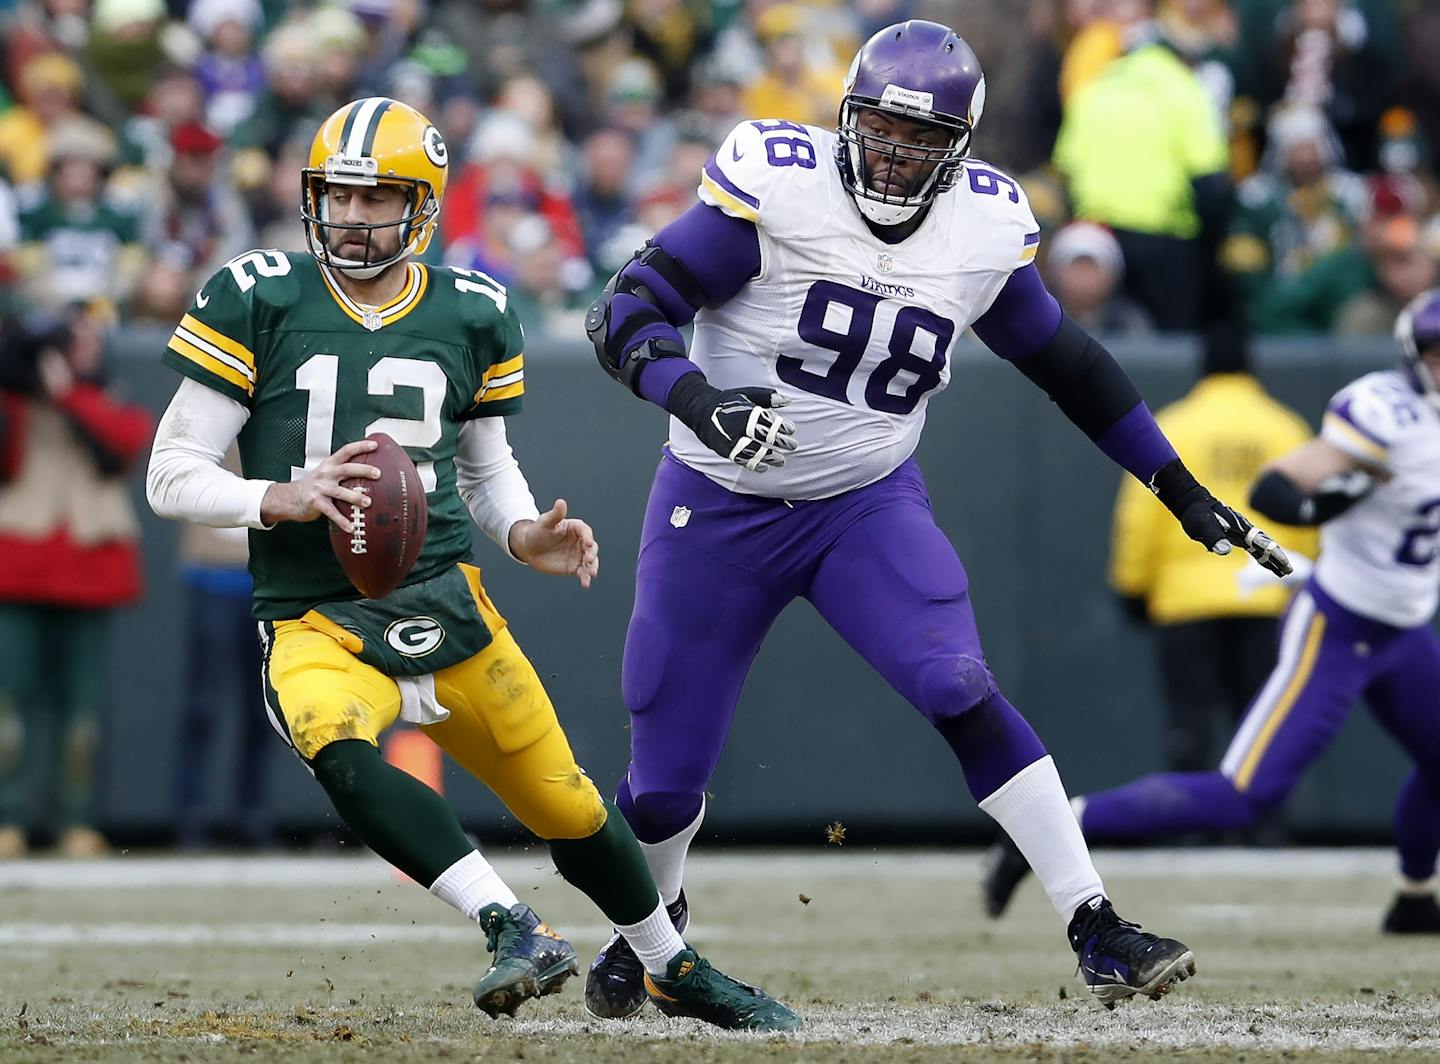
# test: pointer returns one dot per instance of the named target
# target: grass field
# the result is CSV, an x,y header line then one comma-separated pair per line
x,y
330,960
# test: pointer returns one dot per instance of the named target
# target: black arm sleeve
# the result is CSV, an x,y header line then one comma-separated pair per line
x,y
1082,379
1279,498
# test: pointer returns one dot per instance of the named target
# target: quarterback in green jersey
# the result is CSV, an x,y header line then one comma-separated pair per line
x,y
297,357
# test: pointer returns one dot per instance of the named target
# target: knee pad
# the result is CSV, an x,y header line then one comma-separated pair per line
x,y
334,766
570,808
951,685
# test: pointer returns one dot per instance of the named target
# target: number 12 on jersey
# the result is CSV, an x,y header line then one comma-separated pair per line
x,y
839,318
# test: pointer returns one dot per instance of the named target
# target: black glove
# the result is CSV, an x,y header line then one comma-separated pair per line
x,y
1207,520
737,423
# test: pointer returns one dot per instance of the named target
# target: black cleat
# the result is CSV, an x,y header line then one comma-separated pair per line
x,y
690,987
1412,914
615,984
1117,959
530,961
1002,869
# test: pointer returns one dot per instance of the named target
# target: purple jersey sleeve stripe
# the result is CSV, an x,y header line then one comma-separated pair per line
x,y
718,176
1023,318
1032,238
1135,443
1344,411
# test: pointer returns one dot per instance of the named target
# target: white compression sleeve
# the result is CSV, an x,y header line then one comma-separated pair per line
x,y
185,479
490,481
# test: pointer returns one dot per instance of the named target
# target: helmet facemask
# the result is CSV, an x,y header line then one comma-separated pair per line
x,y
415,224
856,147
1417,330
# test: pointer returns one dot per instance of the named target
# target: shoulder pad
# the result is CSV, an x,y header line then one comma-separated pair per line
x,y
998,199
1367,417
746,172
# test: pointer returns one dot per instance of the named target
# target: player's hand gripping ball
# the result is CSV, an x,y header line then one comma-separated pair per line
x,y
388,535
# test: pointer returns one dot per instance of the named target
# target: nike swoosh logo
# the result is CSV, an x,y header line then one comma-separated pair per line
x,y
735,151
201,299
1110,977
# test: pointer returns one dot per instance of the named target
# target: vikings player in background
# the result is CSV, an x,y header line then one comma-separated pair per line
x,y
1359,628
828,273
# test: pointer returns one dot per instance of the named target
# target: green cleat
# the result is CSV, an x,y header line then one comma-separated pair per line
x,y
690,987
530,959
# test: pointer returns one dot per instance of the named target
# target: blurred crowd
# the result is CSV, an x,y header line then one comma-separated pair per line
x,y
1264,159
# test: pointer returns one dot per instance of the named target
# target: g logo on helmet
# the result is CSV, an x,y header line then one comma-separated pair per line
x,y
435,149
414,636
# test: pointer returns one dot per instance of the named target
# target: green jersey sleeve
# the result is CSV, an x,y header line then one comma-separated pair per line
x,y
215,341
498,351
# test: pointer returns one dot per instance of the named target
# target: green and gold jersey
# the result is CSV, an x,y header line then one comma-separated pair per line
x,y
316,370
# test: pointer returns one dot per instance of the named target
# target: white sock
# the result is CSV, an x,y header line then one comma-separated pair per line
x,y
1032,808
667,859
1417,887
472,883
654,940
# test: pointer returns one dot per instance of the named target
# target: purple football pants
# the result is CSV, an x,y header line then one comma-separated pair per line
x,y
1329,659
715,570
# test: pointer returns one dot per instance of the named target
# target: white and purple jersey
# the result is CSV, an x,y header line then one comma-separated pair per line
x,y
1381,557
854,331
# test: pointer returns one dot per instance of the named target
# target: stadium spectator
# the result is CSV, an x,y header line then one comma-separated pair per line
x,y
716,100
127,42
1335,55
197,216
68,557
602,202
288,102
1214,642
502,167
38,27
791,86
1143,151
1405,260
1290,218
632,104
74,247
671,34
222,680
50,85
176,98
531,99
543,287
1084,268
230,72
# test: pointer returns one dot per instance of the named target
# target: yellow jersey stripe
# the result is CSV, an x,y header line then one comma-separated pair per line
x,y
1027,254
209,362
1352,439
726,200
503,369
1285,703
219,339
510,391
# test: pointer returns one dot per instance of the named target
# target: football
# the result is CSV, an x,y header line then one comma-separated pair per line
x,y
389,532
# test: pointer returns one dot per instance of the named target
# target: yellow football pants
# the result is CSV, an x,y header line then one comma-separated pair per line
x,y
502,726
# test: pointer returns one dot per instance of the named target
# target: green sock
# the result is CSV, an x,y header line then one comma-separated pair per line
x,y
609,869
391,811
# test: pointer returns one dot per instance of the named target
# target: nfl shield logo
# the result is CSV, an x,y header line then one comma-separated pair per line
x,y
885,263
372,321
680,516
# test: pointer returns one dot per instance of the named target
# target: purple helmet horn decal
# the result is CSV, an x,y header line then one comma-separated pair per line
x,y
913,72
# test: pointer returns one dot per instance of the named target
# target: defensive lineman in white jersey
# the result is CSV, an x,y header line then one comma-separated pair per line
x,y
829,275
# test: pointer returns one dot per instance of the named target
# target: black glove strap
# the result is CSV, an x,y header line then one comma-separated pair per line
x,y
691,400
